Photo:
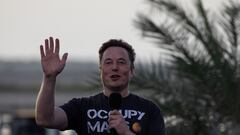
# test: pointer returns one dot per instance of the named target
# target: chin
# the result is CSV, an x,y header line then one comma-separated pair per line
x,y
115,86
116,89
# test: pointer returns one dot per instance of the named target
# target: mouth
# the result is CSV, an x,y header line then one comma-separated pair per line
x,y
115,77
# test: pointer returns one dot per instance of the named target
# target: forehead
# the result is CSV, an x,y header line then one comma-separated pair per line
x,y
115,53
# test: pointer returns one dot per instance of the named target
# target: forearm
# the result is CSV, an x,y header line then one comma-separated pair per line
x,y
45,102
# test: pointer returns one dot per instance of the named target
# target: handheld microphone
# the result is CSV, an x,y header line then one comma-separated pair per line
x,y
115,103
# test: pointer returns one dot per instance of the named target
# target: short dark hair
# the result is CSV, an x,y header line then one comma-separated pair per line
x,y
118,43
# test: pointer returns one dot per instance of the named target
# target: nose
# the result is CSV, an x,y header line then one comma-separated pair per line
x,y
114,67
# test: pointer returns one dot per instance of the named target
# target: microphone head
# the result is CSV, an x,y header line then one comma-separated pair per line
x,y
115,101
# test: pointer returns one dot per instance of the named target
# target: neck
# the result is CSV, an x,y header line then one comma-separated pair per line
x,y
107,92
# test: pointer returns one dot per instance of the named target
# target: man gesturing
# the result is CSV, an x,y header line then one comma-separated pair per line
x,y
92,115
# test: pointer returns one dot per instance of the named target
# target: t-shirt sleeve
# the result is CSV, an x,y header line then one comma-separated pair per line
x,y
72,110
157,126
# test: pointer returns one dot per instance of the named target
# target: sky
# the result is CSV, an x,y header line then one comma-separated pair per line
x,y
81,25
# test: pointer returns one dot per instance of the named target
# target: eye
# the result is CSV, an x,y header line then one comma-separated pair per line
x,y
107,62
122,62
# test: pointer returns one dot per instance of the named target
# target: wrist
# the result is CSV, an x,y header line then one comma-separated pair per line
x,y
129,132
49,77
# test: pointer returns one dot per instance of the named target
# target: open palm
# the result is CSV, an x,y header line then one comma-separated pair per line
x,y
51,63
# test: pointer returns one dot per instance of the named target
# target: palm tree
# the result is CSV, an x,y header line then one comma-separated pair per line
x,y
200,87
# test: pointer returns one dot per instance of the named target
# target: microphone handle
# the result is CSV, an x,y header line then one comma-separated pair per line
x,y
113,131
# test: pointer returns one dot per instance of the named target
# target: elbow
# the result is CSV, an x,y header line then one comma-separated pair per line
x,y
43,122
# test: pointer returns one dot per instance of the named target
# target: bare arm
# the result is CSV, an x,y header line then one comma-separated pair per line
x,y
47,114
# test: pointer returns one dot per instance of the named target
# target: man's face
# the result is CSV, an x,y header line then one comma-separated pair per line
x,y
115,68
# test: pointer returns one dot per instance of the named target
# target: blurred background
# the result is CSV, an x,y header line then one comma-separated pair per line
x,y
187,58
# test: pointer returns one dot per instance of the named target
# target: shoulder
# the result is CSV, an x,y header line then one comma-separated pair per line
x,y
145,103
96,96
142,99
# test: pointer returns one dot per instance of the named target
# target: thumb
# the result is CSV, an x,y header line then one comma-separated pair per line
x,y
64,58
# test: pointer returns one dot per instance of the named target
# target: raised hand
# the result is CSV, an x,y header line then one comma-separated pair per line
x,y
52,65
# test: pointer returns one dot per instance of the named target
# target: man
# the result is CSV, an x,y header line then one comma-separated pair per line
x,y
92,115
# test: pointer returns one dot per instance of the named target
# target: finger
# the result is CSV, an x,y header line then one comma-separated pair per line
x,y
64,58
115,117
113,123
110,118
114,112
42,52
57,46
46,46
51,44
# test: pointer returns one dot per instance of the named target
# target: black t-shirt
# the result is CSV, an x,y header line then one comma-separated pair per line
x,y
89,115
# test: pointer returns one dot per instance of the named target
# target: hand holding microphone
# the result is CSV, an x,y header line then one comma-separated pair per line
x,y
117,123
115,102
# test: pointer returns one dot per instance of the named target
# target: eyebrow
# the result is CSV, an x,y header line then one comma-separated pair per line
x,y
107,59
117,59
122,59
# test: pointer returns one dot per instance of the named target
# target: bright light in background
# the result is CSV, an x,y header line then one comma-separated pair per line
x,y
81,25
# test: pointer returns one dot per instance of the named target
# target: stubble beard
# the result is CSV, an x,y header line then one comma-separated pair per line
x,y
118,88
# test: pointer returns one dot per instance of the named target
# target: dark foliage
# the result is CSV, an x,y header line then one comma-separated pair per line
x,y
198,92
